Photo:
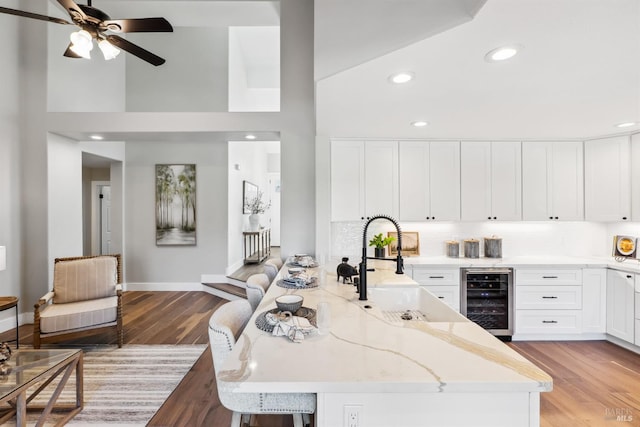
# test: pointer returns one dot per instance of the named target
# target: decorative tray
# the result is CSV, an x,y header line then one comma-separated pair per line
x,y
287,285
314,264
307,313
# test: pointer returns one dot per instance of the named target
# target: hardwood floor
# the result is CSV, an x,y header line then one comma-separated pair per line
x,y
594,381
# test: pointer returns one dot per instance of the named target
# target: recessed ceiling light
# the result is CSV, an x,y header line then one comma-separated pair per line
x,y
626,124
402,77
419,123
250,136
97,137
502,53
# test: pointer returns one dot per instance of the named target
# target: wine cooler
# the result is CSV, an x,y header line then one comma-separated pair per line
x,y
486,297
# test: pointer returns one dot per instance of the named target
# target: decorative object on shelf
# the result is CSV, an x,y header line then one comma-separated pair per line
x,y
471,248
346,271
624,247
176,205
380,243
410,243
453,248
5,355
493,247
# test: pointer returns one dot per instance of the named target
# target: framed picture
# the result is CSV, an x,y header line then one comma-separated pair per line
x,y
249,192
624,246
410,243
176,205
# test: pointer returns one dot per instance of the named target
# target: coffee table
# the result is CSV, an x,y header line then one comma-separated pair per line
x,y
37,369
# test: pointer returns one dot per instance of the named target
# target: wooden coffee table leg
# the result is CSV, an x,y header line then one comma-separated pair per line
x,y
21,409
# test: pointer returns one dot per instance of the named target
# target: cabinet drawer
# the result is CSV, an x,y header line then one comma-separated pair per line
x,y
450,295
549,277
437,277
548,321
548,297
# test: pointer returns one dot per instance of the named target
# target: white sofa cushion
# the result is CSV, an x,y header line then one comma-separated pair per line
x,y
84,279
74,315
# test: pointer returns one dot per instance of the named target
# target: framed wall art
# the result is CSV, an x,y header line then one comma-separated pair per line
x,y
176,205
410,243
249,193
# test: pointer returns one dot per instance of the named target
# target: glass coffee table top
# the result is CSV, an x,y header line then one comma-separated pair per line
x,y
27,365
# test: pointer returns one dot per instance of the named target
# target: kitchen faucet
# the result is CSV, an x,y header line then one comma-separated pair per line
x,y
362,283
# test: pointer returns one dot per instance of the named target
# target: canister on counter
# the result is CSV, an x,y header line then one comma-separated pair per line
x,y
453,248
471,248
493,247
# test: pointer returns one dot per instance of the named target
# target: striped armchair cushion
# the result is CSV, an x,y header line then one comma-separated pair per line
x,y
84,279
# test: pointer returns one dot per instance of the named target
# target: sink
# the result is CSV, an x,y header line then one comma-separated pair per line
x,y
398,299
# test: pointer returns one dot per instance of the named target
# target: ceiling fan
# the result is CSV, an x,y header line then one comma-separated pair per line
x,y
94,24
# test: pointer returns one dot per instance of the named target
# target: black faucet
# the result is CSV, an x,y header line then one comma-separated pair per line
x,y
362,284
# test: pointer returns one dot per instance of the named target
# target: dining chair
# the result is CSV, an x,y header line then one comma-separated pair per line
x,y
271,270
257,285
225,326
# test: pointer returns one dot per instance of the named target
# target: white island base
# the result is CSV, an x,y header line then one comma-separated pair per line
x,y
374,369
471,409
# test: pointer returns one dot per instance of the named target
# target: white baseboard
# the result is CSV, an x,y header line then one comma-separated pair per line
x,y
559,337
623,343
234,267
10,322
214,278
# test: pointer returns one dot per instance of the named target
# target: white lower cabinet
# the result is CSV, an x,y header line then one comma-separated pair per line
x,y
548,302
620,305
637,310
443,283
594,300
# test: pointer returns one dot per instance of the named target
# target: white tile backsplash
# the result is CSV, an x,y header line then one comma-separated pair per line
x,y
520,238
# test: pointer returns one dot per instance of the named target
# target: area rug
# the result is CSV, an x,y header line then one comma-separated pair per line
x,y
125,386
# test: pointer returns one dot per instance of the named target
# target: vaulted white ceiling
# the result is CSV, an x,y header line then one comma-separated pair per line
x,y
577,76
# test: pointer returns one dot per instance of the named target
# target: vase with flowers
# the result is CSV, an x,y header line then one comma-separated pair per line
x,y
256,207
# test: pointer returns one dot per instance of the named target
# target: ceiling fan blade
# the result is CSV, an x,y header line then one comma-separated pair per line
x,y
33,15
142,25
134,49
73,9
69,53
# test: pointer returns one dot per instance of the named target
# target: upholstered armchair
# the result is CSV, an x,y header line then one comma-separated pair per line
x,y
86,299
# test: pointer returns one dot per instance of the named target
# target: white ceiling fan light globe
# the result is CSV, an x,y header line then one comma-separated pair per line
x,y
108,50
81,43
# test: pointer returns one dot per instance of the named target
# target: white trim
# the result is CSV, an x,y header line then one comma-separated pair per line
x,y
623,343
560,337
232,268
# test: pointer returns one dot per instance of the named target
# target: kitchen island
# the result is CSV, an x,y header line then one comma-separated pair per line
x,y
442,370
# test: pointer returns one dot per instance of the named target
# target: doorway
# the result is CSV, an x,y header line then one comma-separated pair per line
x,y
101,223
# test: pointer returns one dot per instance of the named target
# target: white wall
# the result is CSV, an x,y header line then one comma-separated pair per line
x,y
194,78
149,265
10,224
298,128
64,198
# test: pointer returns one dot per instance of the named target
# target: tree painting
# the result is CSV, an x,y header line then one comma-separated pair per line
x,y
175,205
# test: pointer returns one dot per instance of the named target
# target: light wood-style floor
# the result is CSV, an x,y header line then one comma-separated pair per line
x,y
593,380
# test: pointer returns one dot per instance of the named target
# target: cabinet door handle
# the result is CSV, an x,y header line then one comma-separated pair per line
x,y
552,297
549,321
436,277
441,297
549,277
629,276
624,218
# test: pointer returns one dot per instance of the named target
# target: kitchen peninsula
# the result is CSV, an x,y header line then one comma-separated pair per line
x,y
439,371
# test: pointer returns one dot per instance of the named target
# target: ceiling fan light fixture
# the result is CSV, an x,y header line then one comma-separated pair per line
x,y
81,43
108,50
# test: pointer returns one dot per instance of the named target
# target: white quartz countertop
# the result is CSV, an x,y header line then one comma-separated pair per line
x,y
366,351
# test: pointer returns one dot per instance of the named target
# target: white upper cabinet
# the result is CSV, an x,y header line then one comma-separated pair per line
x,y
491,181
635,177
364,179
429,177
552,181
607,179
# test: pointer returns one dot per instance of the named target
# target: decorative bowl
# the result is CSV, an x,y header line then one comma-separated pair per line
x,y
289,302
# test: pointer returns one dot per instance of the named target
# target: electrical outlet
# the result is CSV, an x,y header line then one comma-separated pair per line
x,y
352,415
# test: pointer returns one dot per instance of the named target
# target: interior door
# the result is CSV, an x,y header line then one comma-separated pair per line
x,y
105,220
274,210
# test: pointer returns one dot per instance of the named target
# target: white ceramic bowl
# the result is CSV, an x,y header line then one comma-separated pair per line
x,y
289,302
